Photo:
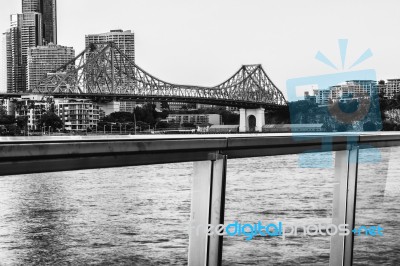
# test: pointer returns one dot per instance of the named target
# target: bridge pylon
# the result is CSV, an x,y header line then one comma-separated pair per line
x,y
252,120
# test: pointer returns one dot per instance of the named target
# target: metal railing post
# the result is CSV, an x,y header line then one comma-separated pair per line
x,y
208,204
344,205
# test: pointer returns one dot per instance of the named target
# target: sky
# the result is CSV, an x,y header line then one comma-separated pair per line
x,y
203,42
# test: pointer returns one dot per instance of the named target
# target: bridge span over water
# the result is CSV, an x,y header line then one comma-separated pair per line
x,y
103,72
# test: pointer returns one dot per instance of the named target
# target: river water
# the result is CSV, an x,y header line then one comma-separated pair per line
x,y
140,215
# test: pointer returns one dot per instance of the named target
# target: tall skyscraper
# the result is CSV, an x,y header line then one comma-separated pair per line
x,y
45,59
31,33
5,38
49,14
25,32
125,40
15,68
12,44
48,9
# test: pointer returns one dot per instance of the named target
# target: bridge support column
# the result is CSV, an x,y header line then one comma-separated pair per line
x,y
252,120
243,121
260,116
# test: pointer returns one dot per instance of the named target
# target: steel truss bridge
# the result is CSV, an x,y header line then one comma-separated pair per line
x,y
102,71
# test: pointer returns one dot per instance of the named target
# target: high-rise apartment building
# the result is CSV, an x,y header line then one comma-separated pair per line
x,y
45,59
30,6
48,9
125,41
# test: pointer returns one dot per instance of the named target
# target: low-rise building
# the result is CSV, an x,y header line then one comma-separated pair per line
x,y
310,98
127,106
196,119
110,107
8,106
224,129
32,107
322,97
119,106
77,114
350,90
391,88
287,128
176,106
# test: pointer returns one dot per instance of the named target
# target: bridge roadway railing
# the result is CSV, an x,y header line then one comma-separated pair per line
x,y
27,155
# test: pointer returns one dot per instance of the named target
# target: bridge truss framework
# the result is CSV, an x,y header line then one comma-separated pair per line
x,y
103,71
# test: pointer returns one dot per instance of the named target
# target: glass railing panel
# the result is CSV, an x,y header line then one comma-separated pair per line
x,y
125,216
378,204
282,189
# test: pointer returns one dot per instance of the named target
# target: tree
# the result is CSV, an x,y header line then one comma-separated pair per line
x,y
369,126
146,114
163,115
188,125
344,128
119,117
328,127
191,106
22,121
3,111
13,130
7,119
162,125
164,105
142,125
50,119
390,126
229,118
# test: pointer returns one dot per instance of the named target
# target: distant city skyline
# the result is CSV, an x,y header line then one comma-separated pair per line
x,y
35,24
203,42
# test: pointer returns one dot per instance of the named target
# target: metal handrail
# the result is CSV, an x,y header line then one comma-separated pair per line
x,y
25,155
